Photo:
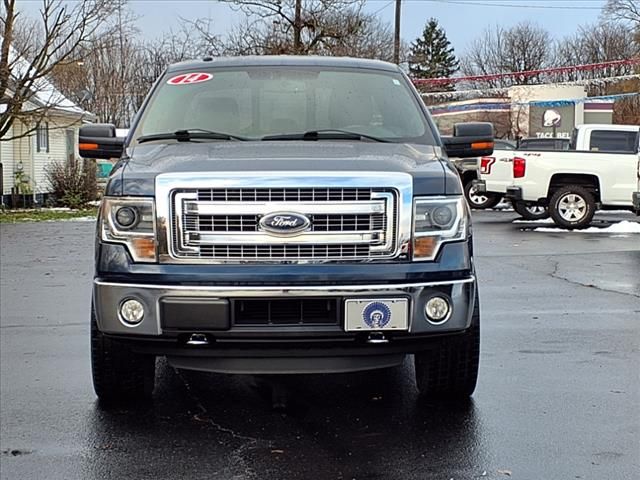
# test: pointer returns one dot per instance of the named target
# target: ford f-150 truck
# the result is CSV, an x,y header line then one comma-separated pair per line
x,y
278,215
601,170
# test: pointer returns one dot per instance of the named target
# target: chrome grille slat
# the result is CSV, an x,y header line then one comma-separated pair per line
x,y
319,223
285,194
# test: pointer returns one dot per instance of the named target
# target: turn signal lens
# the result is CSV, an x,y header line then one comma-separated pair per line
x,y
425,247
482,145
87,146
144,247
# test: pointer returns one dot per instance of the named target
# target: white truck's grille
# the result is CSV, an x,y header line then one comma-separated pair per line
x,y
224,224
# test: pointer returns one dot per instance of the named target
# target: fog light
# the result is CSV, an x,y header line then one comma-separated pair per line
x,y
132,311
437,310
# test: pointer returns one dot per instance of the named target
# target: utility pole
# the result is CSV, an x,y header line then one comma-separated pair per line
x,y
396,35
297,26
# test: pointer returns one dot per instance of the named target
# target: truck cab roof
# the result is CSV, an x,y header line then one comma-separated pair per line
x,y
283,60
604,126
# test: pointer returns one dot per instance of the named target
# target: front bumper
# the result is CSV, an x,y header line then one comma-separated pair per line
x,y
108,297
306,348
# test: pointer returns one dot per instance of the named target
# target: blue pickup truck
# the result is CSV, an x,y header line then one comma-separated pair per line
x,y
282,215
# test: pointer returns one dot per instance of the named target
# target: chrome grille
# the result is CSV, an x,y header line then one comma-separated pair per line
x,y
223,224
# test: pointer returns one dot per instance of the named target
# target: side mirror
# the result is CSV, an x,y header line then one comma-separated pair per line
x,y
100,141
472,139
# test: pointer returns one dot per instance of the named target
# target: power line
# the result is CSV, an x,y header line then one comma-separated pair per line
x,y
500,3
528,73
382,8
513,5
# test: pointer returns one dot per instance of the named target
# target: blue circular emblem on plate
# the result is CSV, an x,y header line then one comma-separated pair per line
x,y
376,315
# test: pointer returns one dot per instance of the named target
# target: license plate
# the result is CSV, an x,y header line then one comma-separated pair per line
x,y
365,314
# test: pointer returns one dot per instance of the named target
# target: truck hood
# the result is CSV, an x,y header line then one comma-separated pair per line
x,y
432,175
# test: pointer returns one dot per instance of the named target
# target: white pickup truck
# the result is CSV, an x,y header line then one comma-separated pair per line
x,y
601,170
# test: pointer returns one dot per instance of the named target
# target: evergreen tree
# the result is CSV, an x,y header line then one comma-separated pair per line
x,y
432,55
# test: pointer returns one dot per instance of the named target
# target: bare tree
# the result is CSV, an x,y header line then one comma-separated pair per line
x,y
319,27
602,42
101,81
191,40
625,10
366,36
522,47
113,81
32,50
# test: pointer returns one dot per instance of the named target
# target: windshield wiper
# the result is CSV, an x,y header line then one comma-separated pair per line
x,y
325,134
189,135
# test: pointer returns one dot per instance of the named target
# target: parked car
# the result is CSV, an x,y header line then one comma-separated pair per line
x,y
278,215
602,170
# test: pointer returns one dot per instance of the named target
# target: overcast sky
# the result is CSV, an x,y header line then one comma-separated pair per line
x,y
461,20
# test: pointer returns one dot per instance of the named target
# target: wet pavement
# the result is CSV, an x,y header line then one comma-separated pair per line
x,y
558,394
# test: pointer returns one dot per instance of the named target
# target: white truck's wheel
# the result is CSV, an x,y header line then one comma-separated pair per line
x,y
572,207
530,211
479,200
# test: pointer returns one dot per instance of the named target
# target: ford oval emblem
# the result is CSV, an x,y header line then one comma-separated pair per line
x,y
284,223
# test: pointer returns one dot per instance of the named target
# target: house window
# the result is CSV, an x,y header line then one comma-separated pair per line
x,y
42,137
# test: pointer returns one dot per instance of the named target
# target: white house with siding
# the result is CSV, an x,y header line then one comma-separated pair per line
x,y
24,159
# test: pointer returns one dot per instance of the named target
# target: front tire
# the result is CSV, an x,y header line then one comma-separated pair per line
x,y
450,369
480,201
572,207
530,211
120,376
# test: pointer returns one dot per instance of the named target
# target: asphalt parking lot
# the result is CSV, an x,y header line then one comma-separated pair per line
x,y
558,395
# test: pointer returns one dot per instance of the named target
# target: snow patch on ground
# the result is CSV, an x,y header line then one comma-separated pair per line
x,y
614,212
620,227
542,220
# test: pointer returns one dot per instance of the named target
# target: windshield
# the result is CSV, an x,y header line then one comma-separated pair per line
x,y
259,102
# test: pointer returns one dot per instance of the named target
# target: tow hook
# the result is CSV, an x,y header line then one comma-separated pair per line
x,y
377,338
198,340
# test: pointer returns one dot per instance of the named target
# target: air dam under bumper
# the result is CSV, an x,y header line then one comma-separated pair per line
x,y
238,347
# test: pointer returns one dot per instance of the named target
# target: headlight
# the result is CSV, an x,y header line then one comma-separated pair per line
x,y
437,220
126,217
130,221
